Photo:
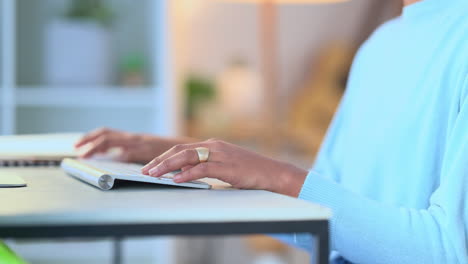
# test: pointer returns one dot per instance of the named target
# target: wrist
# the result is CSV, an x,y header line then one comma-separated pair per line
x,y
290,180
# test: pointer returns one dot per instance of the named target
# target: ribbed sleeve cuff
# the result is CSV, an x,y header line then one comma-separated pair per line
x,y
325,192
320,190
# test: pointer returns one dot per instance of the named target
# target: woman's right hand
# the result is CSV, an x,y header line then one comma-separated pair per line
x,y
137,148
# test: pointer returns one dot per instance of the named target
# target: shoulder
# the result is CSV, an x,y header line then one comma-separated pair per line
x,y
382,36
386,30
451,29
455,25
456,29
457,10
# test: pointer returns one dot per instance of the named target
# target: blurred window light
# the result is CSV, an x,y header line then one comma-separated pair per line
x,y
286,1
190,8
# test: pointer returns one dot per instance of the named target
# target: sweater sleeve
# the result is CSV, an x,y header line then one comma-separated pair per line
x,y
367,231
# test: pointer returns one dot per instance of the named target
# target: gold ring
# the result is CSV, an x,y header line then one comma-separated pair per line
x,y
203,154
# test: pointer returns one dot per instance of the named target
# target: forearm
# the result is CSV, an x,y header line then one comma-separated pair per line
x,y
367,231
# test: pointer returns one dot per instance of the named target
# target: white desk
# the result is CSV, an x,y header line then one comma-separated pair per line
x,y
57,205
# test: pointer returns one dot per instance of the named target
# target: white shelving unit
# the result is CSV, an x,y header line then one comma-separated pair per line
x,y
102,97
32,106
7,65
36,107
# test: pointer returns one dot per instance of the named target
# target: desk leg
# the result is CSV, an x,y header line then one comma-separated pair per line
x,y
117,250
323,250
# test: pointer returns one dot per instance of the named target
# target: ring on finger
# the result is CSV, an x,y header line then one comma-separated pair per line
x,y
203,154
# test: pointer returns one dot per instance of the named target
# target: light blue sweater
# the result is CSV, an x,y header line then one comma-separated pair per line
x,y
394,165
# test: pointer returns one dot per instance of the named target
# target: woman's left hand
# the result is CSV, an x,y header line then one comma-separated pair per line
x,y
230,163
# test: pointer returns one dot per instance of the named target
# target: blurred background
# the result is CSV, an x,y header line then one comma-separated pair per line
x,y
265,75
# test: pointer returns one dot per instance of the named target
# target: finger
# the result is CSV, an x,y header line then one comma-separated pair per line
x,y
214,156
187,168
104,143
98,146
127,155
91,136
171,152
179,160
202,170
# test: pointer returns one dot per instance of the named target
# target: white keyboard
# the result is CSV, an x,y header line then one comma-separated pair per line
x,y
132,171
119,168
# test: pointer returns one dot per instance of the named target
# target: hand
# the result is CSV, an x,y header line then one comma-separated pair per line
x,y
230,163
135,147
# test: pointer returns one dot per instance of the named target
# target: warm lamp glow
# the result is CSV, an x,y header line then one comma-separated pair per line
x,y
268,12
287,1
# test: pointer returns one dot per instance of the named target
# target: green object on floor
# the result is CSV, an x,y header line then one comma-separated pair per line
x,y
7,256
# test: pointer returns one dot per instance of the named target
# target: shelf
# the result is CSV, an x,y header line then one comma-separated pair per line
x,y
29,105
125,97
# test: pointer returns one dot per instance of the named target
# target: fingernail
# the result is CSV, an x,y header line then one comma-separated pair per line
x,y
177,178
145,168
154,171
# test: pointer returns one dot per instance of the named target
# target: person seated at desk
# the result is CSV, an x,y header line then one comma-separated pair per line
x,y
394,164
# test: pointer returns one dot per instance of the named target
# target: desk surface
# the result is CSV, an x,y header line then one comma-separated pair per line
x,y
54,198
